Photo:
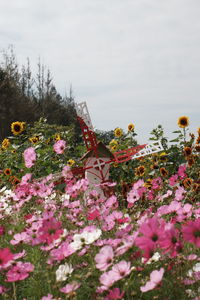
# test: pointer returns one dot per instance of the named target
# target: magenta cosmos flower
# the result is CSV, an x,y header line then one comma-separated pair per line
x,y
5,256
20,271
51,230
191,232
152,233
59,146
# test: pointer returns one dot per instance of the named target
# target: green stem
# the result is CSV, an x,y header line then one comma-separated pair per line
x,y
184,135
14,291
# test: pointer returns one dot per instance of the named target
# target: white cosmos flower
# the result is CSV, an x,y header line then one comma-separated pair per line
x,y
85,238
63,272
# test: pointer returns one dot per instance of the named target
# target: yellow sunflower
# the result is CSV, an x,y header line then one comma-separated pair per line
x,y
34,139
187,183
7,171
183,122
131,127
17,127
113,142
163,172
187,151
57,137
71,162
139,171
118,132
5,144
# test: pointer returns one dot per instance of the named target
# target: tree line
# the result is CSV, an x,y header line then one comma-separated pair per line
x,y
27,98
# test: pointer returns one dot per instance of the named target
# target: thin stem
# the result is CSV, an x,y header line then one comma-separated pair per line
x,y
14,291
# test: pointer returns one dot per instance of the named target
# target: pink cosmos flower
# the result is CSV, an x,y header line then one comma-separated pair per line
x,y
156,183
29,157
51,230
70,287
179,194
155,278
66,172
3,289
5,256
173,180
19,238
122,269
114,294
20,271
152,233
93,215
48,297
59,146
171,241
104,258
108,279
191,232
181,171
2,230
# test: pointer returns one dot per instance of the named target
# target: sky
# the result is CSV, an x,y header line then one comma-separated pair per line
x,y
132,61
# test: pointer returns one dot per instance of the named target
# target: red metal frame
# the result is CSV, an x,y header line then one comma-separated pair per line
x,y
90,140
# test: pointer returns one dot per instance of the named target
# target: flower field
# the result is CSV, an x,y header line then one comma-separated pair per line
x,y
60,239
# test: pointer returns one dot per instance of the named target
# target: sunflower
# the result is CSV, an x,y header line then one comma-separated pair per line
x,y
118,132
163,156
197,148
198,131
17,127
57,137
183,122
5,144
131,127
139,171
113,142
196,187
70,162
34,139
187,183
113,148
191,161
154,166
163,172
187,151
148,184
198,140
7,171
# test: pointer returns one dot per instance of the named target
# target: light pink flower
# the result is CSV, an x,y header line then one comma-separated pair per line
x,y
155,278
114,294
48,297
59,146
104,258
19,238
122,269
29,157
108,278
70,287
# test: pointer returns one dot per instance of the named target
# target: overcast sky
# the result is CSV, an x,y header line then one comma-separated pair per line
x,y
132,60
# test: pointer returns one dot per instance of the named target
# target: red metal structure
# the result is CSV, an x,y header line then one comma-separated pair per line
x,y
95,148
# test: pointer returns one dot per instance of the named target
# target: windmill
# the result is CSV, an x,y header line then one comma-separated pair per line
x,y
98,157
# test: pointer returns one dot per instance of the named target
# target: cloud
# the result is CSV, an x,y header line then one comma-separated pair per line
x,y
132,60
